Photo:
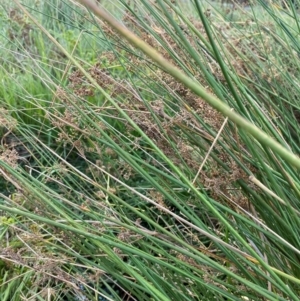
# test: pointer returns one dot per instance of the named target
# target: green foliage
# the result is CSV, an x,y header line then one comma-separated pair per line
x,y
114,182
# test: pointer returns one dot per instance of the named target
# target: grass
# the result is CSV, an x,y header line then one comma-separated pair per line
x,y
120,183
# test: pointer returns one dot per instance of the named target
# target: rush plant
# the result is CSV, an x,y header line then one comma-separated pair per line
x,y
149,151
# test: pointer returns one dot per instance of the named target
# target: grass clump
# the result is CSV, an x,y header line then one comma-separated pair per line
x,y
120,183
